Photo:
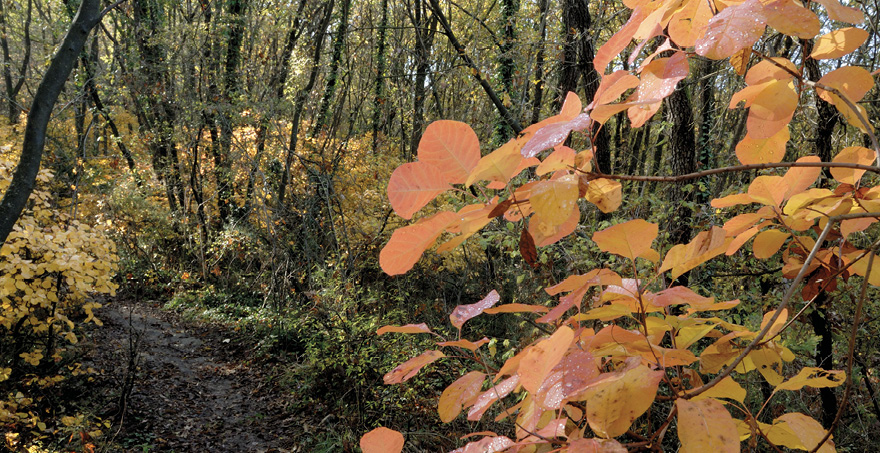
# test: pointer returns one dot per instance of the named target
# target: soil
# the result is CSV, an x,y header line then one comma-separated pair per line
x,y
190,389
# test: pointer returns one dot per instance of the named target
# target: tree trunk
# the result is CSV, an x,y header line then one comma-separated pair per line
x,y
223,158
333,75
538,93
301,97
12,89
684,160
424,29
507,68
25,175
578,55
379,100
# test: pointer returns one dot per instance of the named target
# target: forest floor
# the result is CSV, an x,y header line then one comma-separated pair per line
x,y
193,387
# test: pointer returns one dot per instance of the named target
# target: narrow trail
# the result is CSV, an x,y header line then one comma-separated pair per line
x,y
191,390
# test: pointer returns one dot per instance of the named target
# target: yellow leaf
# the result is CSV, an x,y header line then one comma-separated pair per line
x,y
706,426
630,239
815,378
768,242
616,401
838,43
765,150
606,194
852,155
726,388
458,394
554,200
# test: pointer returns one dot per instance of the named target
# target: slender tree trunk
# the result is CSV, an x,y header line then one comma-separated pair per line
x,y
25,175
379,100
301,97
507,68
12,89
538,92
333,74
424,29
231,86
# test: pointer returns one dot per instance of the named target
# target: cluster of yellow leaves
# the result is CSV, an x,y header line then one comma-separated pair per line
x,y
49,266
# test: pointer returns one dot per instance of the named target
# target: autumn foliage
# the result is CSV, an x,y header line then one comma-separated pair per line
x,y
621,341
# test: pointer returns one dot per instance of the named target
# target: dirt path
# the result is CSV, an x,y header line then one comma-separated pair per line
x,y
188,394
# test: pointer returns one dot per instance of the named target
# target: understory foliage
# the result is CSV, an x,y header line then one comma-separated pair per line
x,y
52,267
632,338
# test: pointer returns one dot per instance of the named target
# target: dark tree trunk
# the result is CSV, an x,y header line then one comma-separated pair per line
x,y
13,88
684,160
333,75
538,93
301,97
507,68
424,28
578,55
379,100
231,86
25,175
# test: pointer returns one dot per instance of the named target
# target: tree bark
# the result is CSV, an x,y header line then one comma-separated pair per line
x,y
25,175
12,89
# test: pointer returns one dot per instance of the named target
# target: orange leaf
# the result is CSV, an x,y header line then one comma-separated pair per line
x,y
768,242
772,109
539,359
463,313
499,165
612,86
852,155
560,159
790,18
553,200
490,396
460,393
406,370
595,277
452,147
408,243
705,246
690,22
614,46
658,80
409,328
567,379
736,27
606,194
554,134
517,308
544,234
466,344
414,185
629,240
764,150
853,83
382,440
706,426
616,401
768,190
838,43
798,180
841,13
769,70
740,61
